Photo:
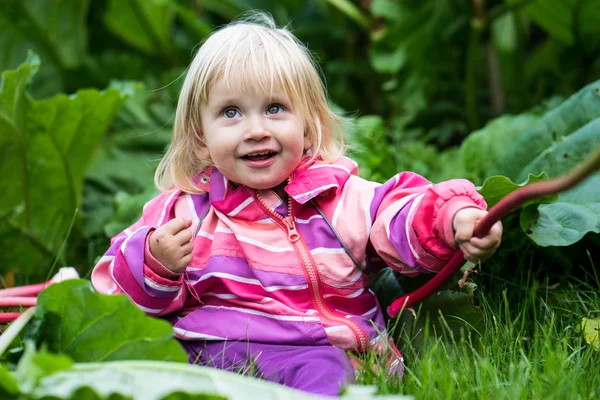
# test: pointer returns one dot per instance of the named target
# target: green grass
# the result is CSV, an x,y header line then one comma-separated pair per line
x,y
532,348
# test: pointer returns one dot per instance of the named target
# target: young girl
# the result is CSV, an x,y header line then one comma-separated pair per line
x,y
260,247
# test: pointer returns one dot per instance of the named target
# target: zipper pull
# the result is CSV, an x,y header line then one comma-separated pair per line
x,y
293,234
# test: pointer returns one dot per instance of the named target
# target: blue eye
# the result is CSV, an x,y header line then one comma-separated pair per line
x,y
230,113
275,109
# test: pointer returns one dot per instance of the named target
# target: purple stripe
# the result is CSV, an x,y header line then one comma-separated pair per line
x,y
374,327
217,186
201,203
282,209
400,241
134,254
379,194
237,325
317,233
239,267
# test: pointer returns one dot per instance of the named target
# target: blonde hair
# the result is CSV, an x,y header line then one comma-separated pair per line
x,y
251,54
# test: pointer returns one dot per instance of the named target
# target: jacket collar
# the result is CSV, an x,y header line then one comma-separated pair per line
x,y
312,178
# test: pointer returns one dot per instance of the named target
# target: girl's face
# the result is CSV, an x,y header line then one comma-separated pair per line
x,y
255,140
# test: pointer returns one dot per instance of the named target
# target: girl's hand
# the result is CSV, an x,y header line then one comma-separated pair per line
x,y
171,244
475,249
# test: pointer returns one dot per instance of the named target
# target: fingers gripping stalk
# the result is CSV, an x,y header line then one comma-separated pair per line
x,y
496,213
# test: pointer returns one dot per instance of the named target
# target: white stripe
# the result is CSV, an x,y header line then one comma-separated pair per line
x,y
164,210
367,213
162,288
371,311
246,280
106,259
325,250
241,207
265,221
350,296
411,211
356,278
379,338
395,208
127,231
338,328
223,230
306,221
183,334
206,235
190,202
339,206
221,295
263,245
319,189
330,166
267,315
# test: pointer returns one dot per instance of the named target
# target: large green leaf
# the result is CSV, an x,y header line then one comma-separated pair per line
x,y
577,211
480,151
47,376
144,24
8,385
34,366
71,318
54,28
551,129
566,221
46,146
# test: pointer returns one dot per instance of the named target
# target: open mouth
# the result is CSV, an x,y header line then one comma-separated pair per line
x,y
265,155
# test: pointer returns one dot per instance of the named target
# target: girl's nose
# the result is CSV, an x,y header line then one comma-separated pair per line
x,y
257,128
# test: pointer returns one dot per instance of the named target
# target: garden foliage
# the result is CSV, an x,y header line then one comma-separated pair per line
x,y
503,93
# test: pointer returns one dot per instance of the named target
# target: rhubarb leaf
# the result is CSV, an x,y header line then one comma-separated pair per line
x,y
551,129
495,188
71,318
8,384
45,147
577,211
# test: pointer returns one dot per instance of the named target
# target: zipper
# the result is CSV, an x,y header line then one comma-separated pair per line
x,y
310,270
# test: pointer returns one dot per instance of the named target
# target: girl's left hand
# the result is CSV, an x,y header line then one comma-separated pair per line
x,y
475,249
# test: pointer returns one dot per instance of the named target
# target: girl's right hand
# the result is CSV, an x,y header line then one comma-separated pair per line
x,y
171,244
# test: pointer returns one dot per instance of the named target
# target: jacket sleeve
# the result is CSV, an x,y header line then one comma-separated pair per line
x,y
127,267
412,226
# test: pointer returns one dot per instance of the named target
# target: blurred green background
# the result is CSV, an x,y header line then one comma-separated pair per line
x,y
417,77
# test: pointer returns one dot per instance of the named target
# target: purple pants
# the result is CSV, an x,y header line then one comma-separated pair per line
x,y
315,369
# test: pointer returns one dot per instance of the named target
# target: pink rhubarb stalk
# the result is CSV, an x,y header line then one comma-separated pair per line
x,y
26,296
7,317
504,207
18,301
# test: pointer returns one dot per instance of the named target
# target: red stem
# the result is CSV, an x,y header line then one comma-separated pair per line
x,y
18,301
27,290
8,317
504,207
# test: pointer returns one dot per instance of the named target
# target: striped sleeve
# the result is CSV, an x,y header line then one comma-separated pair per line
x,y
412,221
124,268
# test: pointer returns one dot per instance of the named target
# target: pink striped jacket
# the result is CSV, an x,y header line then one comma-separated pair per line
x,y
262,275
